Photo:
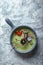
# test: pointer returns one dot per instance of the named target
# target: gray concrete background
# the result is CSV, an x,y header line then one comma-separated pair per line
x,y
21,12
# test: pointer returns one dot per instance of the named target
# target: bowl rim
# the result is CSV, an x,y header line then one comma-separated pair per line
x,y
27,51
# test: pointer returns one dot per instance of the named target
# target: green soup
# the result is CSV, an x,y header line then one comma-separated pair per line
x,y
29,42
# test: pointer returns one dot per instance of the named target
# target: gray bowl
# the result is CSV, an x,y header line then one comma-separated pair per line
x,y
14,29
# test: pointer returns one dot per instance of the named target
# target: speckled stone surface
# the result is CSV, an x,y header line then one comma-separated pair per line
x,y
21,12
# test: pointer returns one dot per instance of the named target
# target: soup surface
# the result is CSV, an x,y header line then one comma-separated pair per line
x,y
23,39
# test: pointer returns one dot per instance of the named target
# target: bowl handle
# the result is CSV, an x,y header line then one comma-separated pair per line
x,y
9,22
